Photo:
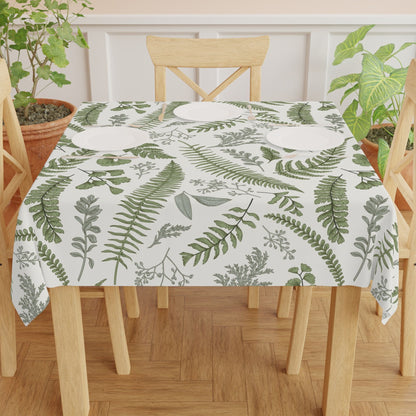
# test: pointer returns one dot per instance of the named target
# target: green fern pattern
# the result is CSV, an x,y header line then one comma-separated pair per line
x,y
140,208
331,196
53,263
316,241
204,203
319,165
45,212
217,239
209,162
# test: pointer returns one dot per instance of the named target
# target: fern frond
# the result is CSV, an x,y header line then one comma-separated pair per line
x,y
209,162
149,150
25,235
53,263
216,125
316,241
312,167
151,120
88,115
62,164
46,209
138,209
301,113
331,195
217,239
245,105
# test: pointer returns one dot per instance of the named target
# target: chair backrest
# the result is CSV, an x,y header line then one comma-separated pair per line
x,y
15,161
398,161
241,53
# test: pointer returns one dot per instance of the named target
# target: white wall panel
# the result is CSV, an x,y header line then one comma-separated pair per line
x,y
298,65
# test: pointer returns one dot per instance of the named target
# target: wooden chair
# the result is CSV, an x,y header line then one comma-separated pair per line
x,y
393,181
241,53
21,180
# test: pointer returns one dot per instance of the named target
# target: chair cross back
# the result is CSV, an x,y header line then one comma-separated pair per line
x,y
172,53
398,161
16,159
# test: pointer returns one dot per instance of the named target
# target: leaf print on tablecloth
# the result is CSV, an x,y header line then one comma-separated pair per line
x,y
326,106
247,135
165,269
168,231
287,203
337,122
246,105
377,208
183,202
217,239
216,125
88,240
316,242
25,234
88,115
303,275
360,159
131,105
331,195
247,274
368,179
46,211
209,162
24,258
246,157
29,302
151,120
139,209
118,119
270,154
63,164
385,249
149,150
301,113
277,239
108,178
53,263
316,166
383,293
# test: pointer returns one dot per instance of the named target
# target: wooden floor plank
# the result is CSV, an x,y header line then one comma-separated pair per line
x,y
196,363
262,381
178,409
368,409
402,408
228,365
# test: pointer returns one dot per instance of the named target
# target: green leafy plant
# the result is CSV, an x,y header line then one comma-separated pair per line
x,y
377,91
34,36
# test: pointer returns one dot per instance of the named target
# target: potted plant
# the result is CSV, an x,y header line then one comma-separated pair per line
x,y
376,94
34,36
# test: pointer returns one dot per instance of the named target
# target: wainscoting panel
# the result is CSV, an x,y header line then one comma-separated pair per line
x,y
298,65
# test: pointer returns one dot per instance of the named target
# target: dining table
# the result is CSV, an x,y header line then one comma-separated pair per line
x,y
270,193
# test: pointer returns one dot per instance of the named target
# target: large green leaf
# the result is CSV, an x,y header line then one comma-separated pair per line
x,y
359,125
375,87
55,51
351,45
342,81
384,52
382,156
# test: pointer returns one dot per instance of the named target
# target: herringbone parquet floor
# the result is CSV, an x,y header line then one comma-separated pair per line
x,y
208,355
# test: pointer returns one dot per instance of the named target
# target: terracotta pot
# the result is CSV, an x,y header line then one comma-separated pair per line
x,y
371,150
40,139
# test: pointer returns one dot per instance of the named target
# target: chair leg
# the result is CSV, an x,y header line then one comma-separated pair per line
x,y
117,332
7,323
340,350
163,297
285,299
70,350
299,328
253,300
408,321
132,303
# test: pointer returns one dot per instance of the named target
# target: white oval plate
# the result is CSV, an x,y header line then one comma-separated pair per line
x,y
110,138
207,111
305,138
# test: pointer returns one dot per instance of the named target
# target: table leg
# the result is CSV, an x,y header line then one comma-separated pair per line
x,y
253,298
7,323
408,322
132,303
163,297
283,304
340,353
70,350
299,328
